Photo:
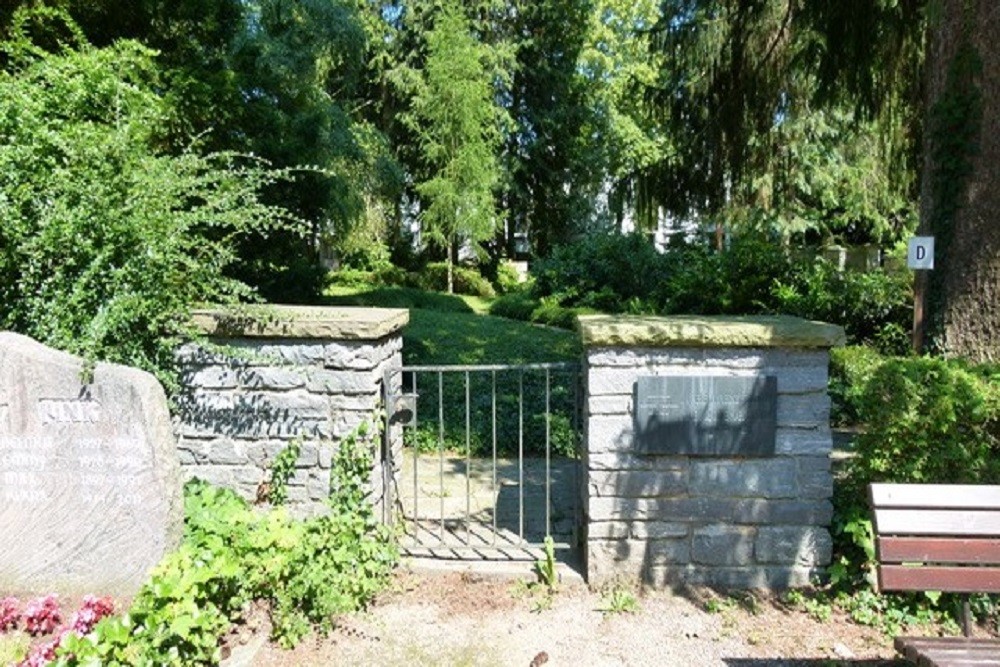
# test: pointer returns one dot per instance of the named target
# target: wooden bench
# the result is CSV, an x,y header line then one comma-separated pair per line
x,y
940,537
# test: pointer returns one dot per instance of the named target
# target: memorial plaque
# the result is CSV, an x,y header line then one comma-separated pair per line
x,y
706,415
90,489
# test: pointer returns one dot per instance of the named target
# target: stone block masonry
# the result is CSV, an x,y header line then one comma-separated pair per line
x,y
724,520
306,374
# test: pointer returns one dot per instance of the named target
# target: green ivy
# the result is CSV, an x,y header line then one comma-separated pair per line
x,y
308,571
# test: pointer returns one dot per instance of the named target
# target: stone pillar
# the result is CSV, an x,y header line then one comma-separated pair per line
x,y
661,506
309,374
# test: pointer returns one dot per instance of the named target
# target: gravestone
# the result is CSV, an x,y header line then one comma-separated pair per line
x,y
90,492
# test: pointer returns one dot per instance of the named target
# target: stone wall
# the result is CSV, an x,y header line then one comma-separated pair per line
x,y
304,374
732,521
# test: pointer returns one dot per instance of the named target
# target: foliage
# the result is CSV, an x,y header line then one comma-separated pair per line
x,y
108,242
851,369
545,567
400,297
763,119
42,615
457,123
618,599
466,280
10,613
927,421
624,273
930,420
282,469
309,571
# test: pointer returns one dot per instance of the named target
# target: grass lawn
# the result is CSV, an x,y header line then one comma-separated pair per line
x,y
447,330
452,329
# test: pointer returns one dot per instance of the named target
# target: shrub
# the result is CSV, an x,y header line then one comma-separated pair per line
x,y
851,368
515,306
107,241
873,307
601,271
508,279
467,280
308,571
930,420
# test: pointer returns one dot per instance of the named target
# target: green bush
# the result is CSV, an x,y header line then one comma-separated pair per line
x,y
515,306
755,274
927,420
508,279
383,276
850,370
308,571
601,271
106,240
468,281
873,307
930,420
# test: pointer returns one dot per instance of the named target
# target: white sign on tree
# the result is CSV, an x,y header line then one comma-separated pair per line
x,y
920,253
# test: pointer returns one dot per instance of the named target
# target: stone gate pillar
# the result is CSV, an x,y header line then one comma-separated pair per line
x,y
707,457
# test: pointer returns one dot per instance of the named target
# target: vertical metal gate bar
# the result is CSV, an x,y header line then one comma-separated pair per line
x,y
387,401
468,467
548,453
520,455
416,458
493,404
441,451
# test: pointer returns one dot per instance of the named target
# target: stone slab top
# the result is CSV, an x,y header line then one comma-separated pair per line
x,y
274,321
707,331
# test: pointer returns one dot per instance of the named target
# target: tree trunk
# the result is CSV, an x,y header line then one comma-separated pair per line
x,y
449,261
960,184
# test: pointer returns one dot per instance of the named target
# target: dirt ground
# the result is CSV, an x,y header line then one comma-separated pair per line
x,y
460,619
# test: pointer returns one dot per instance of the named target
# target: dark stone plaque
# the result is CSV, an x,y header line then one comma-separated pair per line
x,y
706,416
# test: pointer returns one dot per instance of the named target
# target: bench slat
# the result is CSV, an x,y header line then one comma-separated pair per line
x,y
956,496
950,651
937,522
938,550
939,578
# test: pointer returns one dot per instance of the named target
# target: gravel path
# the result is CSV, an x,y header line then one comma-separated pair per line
x,y
452,620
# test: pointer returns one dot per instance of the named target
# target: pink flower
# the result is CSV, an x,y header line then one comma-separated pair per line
x,y
91,611
10,615
42,615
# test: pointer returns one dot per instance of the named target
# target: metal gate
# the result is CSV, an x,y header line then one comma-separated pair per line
x,y
484,460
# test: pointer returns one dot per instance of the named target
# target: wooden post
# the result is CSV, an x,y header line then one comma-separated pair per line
x,y
919,296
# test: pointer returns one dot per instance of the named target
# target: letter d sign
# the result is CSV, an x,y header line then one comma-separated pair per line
x,y
920,252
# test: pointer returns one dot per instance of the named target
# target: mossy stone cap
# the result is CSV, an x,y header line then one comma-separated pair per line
x,y
301,322
707,331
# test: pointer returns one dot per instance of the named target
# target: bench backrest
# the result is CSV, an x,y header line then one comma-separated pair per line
x,y
937,537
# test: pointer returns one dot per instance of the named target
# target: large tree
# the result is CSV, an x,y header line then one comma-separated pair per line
x,y
456,119
960,193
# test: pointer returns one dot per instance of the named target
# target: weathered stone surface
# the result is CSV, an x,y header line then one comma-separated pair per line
x,y
302,322
618,460
722,545
707,331
268,377
633,557
803,410
771,360
641,530
793,545
711,510
808,442
751,478
635,483
90,488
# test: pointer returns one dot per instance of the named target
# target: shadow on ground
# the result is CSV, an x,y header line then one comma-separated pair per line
x,y
818,662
